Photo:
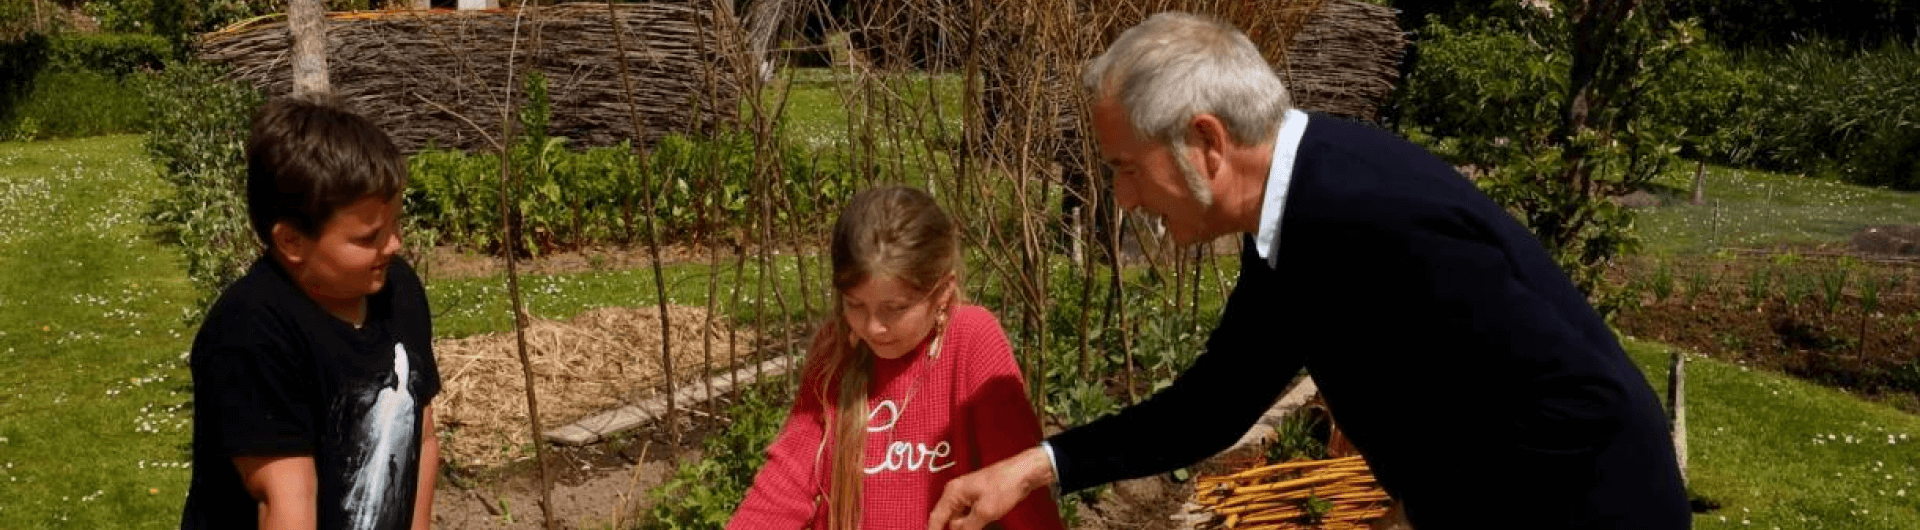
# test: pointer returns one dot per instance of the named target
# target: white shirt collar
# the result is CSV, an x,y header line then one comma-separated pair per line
x,y
1279,179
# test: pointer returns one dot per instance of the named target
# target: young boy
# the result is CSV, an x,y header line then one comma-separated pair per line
x,y
312,374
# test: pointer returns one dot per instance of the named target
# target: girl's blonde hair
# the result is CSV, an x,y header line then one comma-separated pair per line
x,y
889,231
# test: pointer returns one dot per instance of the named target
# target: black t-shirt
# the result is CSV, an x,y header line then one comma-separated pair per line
x,y
274,374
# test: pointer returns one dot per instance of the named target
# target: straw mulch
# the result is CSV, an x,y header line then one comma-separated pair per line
x,y
417,73
600,359
1285,496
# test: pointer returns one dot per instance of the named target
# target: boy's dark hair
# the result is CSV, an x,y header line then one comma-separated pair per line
x,y
308,156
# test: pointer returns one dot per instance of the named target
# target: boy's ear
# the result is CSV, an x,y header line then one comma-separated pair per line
x,y
290,243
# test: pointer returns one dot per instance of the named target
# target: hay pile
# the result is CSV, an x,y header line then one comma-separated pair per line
x,y
411,71
601,359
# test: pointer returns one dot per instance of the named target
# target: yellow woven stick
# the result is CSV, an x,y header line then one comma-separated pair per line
x,y
1297,464
1271,517
1244,499
1244,509
1290,484
1316,491
1359,516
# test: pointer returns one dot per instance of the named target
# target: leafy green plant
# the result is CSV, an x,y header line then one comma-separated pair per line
x,y
198,138
1313,510
1698,283
24,130
1494,92
705,494
1870,294
1296,438
1662,283
1832,283
703,188
1824,109
1758,285
114,54
1797,287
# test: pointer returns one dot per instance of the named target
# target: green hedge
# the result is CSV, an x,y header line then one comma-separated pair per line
x,y
77,84
116,54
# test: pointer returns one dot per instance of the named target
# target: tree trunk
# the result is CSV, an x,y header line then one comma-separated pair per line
x,y
307,22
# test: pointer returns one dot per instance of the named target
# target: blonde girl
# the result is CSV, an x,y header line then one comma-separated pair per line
x,y
905,387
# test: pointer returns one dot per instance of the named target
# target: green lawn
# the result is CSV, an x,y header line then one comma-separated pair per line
x,y
469,306
1783,453
93,429
1748,209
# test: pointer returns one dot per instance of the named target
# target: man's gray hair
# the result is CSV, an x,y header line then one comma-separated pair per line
x,y
1175,66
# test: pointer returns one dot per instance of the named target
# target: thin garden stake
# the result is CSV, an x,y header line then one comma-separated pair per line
x,y
653,233
507,134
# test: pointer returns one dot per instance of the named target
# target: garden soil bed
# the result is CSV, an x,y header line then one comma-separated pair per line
x,y
1771,311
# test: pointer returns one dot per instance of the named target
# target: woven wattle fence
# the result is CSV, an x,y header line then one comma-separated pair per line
x,y
1336,56
417,73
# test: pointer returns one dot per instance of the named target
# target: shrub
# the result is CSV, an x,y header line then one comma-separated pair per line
x,y
76,84
1715,103
706,493
198,142
1481,93
1492,92
1828,110
79,103
115,54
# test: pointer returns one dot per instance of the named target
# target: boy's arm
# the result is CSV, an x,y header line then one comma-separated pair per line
x,y
429,471
285,487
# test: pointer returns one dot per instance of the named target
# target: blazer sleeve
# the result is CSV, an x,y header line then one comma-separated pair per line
x,y
1204,410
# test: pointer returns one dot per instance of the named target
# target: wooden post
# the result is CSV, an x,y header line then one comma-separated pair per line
x,y
1699,184
1677,406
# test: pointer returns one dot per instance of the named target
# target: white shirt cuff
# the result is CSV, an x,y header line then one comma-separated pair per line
x,y
1055,464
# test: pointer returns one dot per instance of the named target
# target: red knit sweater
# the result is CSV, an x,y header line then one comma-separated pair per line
x,y
969,409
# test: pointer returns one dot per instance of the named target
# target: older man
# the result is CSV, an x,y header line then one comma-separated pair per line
x,y
1463,364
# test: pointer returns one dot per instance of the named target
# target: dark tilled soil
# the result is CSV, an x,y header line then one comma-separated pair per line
x,y
1874,354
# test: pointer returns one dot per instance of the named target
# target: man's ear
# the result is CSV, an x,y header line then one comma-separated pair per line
x,y
1209,135
290,243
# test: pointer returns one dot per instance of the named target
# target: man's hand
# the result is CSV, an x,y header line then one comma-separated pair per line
x,y
986,495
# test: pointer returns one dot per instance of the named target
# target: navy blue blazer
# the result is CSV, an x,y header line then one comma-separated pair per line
x,y
1465,366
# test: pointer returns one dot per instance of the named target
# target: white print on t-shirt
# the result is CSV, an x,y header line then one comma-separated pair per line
x,y
911,456
385,432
